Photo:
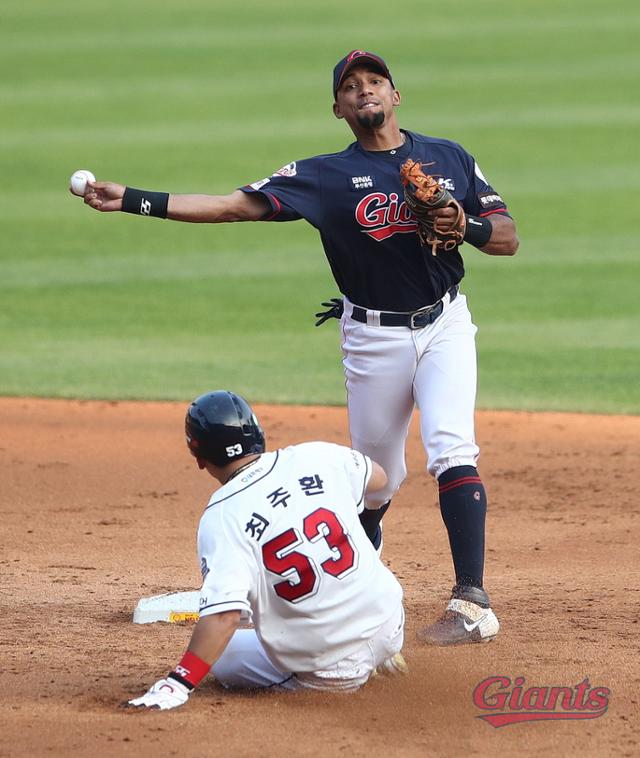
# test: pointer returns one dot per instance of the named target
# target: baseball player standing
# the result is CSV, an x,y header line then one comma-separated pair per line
x,y
281,543
407,334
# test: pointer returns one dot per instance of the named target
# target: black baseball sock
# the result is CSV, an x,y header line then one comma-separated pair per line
x,y
463,505
370,521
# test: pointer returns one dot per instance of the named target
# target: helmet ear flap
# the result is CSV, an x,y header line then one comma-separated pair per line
x,y
221,427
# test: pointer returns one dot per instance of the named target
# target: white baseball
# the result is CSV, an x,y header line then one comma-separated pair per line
x,y
78,181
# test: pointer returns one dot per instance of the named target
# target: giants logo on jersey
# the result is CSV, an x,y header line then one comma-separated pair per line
x,y
382,216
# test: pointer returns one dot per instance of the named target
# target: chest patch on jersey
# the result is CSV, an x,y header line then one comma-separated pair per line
x,y
356,183
490,200
380,216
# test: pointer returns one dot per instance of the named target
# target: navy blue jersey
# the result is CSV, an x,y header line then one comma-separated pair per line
x,y
355,200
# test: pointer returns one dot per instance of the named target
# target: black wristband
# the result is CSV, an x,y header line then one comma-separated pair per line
x,y
144,203
184,682
478,231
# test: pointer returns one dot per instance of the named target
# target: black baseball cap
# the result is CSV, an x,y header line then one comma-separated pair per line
x,y
357,58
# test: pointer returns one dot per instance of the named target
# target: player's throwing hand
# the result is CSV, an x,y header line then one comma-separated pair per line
x,y
104,196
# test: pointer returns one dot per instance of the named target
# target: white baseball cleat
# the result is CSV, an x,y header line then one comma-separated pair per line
x,y
392,666
468,618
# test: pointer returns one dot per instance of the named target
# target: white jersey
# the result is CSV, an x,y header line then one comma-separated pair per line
x,y
282,540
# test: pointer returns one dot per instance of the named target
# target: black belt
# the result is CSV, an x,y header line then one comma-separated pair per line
x,y
414,320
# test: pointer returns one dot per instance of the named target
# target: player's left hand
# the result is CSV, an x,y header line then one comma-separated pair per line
x,y
165,694
444,218
441,218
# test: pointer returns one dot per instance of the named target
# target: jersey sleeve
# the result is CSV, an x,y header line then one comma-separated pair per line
x,y
482,199
359,469
293,192
227,578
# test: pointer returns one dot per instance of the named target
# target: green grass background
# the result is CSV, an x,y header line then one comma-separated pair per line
x,y
204,95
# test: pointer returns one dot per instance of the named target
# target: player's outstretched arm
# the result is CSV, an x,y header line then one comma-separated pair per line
x,y
208,641
108,197
212,209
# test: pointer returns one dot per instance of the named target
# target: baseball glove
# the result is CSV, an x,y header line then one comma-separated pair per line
x,y
423,194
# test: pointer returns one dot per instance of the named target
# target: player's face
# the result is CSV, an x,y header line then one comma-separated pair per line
x,y
365,99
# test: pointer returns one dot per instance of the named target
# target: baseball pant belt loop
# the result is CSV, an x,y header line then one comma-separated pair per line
x,y
413,320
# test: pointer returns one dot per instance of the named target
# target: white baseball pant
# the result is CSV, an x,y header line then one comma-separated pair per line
x,y
245,663
389,370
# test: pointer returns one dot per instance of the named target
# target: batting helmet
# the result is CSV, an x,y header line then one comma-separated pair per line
x,y
221,427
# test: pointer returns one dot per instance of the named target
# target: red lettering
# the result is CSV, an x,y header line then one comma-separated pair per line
x,y
300,573
581,689
325,524
515,702
278,556
383,216
393,215
371,210
494,701
533,698
498,693
565,693
598,699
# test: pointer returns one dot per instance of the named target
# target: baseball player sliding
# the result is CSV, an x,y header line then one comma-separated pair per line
x,y
392,234
281,543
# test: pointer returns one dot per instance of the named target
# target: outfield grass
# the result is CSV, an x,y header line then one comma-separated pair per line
x,y
200,96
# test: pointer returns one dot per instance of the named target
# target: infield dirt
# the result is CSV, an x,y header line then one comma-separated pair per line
x,y
99,505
